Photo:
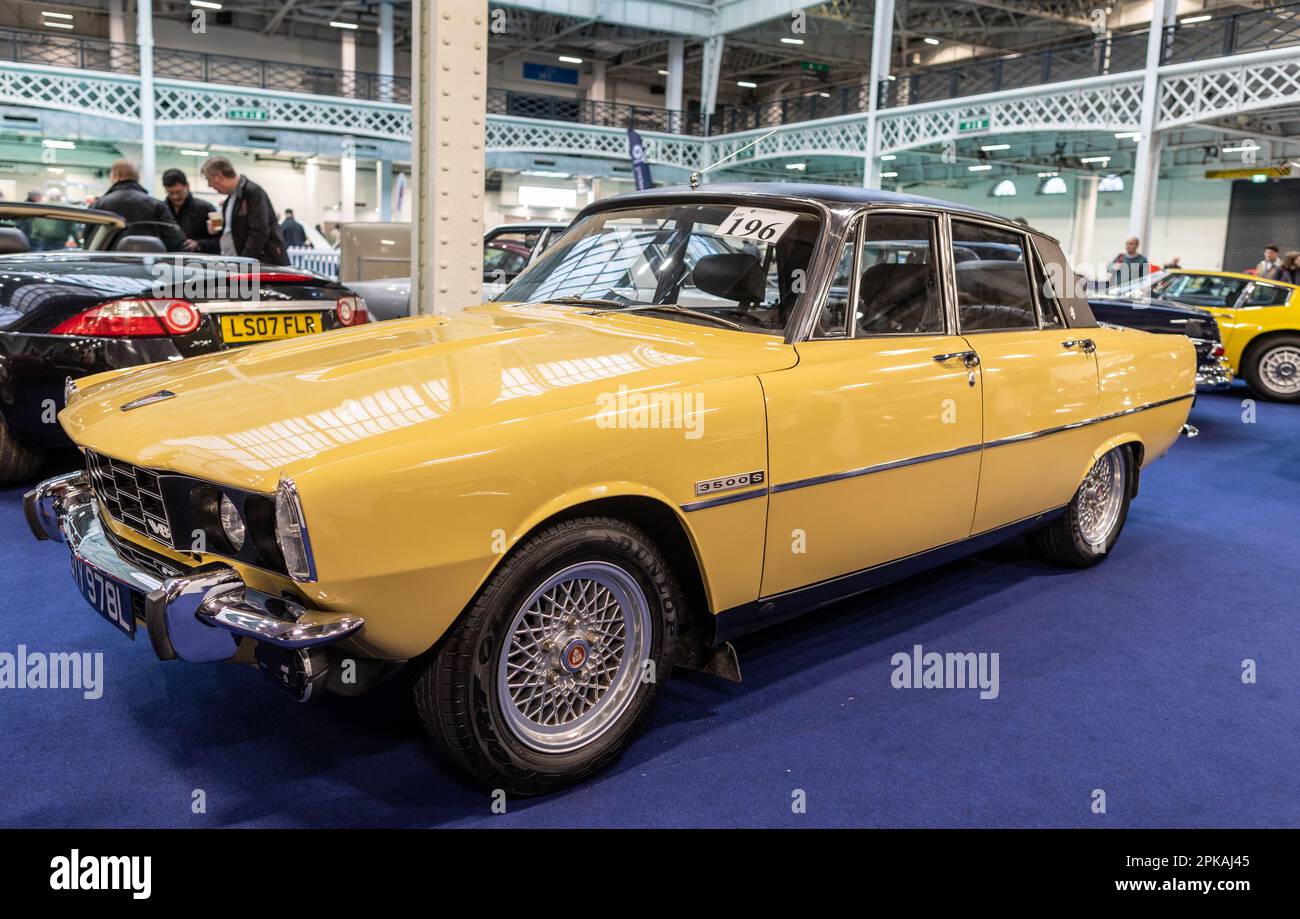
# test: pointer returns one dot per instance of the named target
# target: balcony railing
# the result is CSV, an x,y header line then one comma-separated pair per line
x,y
586,111
114,57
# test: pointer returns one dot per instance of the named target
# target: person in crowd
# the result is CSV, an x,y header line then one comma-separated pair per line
x,y
190,213
1288,269
34,197
247,221
292,231
1174,261
48,234
144,214
1129,264
1269,263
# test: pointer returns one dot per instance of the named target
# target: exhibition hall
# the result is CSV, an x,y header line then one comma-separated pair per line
x,y
876,414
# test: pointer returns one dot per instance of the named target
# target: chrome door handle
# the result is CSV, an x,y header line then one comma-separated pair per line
x,y
968,358
1087,345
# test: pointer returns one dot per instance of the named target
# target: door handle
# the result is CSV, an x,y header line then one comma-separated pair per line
x,y
1086,345
969,358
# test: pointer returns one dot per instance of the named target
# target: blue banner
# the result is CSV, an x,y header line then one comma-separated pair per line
x,y
640,168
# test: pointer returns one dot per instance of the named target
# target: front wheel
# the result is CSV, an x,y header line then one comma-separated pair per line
x,y
1092,522
1272,370
549,674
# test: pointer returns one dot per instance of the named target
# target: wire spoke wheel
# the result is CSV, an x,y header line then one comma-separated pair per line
x,y
573,656
1100,499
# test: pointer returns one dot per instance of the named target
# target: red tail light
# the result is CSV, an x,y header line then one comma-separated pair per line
x,y
351,310
133,318
1217,351
272,277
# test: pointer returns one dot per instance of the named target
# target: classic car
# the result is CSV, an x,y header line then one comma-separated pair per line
x,y
543,504
507,251
1213,372
1258,318
103,295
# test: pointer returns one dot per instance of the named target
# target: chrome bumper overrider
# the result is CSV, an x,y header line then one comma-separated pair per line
x,y
1219,377
196,616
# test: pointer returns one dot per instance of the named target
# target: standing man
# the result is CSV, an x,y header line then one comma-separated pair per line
x,y
245,224
144,214
1269,263
190,213
292,231
1129,264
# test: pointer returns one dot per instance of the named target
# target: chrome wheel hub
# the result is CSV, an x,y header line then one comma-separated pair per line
x,y
573,655
1100,498
1280,369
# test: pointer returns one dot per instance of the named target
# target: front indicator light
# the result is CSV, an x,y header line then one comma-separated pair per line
x,y
291,533
232,525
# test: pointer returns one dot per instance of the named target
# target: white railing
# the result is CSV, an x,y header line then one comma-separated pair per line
x,y
320,261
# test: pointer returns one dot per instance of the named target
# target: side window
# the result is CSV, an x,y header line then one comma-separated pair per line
x,y
1268,295
992,293
833,320
1062,284
898,290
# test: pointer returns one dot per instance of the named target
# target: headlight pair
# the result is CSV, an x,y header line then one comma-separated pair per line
x,y
254,528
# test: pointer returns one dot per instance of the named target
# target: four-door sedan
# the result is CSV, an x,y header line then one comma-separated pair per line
x,y
1258,318
543,504
100,295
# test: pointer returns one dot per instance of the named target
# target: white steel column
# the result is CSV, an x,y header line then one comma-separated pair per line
x,y
311,214
449,97
348,60
385,64
882,45
148,137
1146,162
384,189
1085,220
710,73
348,182
674,97
598,92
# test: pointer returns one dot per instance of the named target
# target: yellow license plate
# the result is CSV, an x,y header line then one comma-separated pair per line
x,y
245,327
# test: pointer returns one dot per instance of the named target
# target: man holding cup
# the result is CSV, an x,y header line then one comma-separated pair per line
x,y
245,224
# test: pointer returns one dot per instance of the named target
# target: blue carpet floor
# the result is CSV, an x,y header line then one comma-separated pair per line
x,y
1125,678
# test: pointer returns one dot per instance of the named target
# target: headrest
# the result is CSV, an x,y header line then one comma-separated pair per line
x,y
13,240
888,277
139,244
735,276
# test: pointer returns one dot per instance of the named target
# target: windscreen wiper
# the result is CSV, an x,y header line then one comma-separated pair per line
x,y
590,301
673,308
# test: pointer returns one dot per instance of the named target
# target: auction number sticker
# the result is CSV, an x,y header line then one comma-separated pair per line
x,y
756,224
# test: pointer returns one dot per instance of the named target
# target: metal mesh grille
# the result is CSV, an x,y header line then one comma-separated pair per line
x,y
130,495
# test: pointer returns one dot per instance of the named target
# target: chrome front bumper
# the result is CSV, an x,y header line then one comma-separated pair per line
x,y
1216,377
197,616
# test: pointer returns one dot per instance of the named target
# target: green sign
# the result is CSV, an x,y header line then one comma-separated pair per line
x,y
247,114
814,67
971,125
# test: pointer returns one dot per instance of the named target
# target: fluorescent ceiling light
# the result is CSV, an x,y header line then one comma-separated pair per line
x,y
1128,135
989,148
663,73
544,173
931,41
192,152
57,25
888,156
889,175
824,95
1048,175
1249,145
570,59
338,24
59,144
792,41
1094,159
205,4
54,171
983,168
56,15
1191,19
797,167
890,76
747,84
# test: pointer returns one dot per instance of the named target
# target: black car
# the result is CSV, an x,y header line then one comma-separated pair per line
x,y
1212,370
101,295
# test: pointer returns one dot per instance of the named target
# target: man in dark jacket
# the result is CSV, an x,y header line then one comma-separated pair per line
x,y
144,214
249,228
292,231
191,213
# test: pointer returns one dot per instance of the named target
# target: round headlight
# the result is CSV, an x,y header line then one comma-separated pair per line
x,y
232,525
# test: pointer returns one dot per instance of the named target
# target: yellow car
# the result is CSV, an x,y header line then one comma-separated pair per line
x,y
1259,320
699,413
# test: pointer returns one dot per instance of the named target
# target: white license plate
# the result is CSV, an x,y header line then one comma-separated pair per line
x,y
110,598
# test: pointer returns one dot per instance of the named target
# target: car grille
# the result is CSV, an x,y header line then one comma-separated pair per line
x,y
154,564
131,495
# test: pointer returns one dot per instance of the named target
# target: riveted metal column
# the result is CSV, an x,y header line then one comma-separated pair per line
x,y
882,44
148,135
1146,163
385,61
673,96
710,73
448,105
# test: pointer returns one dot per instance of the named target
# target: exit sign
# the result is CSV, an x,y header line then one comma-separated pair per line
x,y
247,114
814,67
971,125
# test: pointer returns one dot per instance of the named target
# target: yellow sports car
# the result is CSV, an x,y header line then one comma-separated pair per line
x,y
1259,320
699,413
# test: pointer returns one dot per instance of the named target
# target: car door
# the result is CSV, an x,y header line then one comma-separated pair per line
x,y
1039,378
874,436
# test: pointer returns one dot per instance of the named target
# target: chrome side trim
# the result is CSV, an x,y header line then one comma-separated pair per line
x,y
724,499
1047,432
869,470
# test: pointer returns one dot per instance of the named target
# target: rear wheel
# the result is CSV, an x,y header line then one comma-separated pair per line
x,y
1272,370
17,463
549,674
1094,518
